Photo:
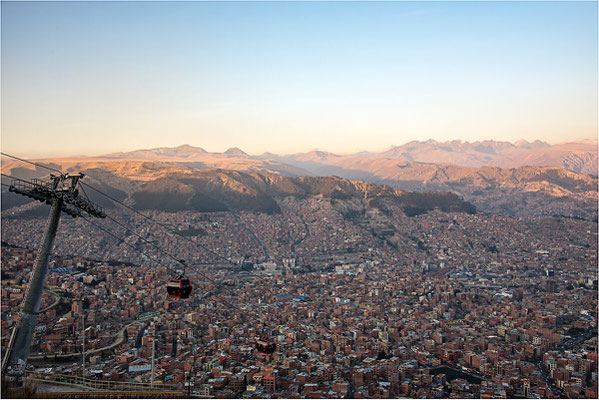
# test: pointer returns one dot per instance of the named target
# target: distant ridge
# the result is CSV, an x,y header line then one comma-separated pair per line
x,y
578,157
176,188
499,154
235,151
159,153
196,157
526,179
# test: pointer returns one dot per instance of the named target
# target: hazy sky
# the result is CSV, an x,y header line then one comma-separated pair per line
x,y
92,78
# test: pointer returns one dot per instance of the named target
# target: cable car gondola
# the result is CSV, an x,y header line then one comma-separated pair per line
x,y
265,346
179,288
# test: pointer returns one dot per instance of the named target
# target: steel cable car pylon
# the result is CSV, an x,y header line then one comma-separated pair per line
x,y
59,191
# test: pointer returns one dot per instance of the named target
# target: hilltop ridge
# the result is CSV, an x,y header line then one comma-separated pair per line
x,y
175,188
578,156
529,190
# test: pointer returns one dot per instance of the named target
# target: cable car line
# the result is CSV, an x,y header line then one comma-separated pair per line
x,y
178,260
15,178
147,241
166,253
268,345
179,287
31,162
83,191
263,345
121,240
169,229
216,283
163,225
158,262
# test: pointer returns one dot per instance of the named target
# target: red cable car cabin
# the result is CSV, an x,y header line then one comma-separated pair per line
x,y
179,288
265,346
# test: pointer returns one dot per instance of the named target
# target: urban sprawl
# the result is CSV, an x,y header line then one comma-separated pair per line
x,y
436,305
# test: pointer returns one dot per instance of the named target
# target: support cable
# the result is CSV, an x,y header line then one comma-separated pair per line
x,y
31,162
162,251
166,253
216,283
15,178
204,275
97,226
163,225
83,191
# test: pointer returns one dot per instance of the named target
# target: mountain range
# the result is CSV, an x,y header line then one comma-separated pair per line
x,y
578,157
180,188
533,179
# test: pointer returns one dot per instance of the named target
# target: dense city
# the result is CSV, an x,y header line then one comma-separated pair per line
x,y
360,305
299,199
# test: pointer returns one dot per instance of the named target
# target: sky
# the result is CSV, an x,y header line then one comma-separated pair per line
x,y
98,77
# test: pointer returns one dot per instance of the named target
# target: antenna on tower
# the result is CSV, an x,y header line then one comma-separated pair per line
x,y
61,192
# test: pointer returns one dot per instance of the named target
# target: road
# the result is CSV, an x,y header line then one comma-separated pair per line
x,y
57,299
568,345
118,340
47,386
306,232
545,376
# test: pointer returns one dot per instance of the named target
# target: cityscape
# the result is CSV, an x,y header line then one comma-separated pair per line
x,y
471,306
299,200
